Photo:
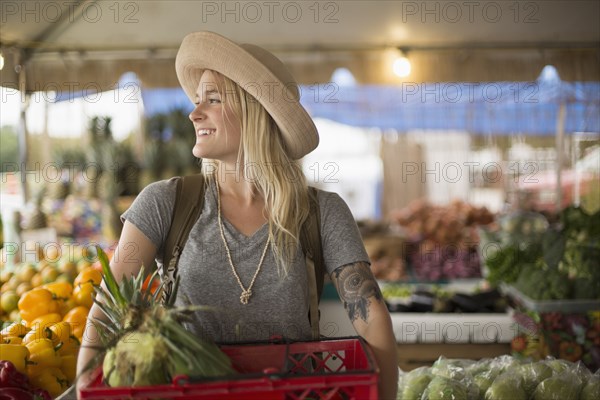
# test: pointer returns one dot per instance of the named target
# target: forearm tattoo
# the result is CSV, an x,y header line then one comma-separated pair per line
x,y
357,288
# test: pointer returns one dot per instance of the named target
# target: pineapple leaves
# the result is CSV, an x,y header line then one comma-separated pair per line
x,y
143,340
109,278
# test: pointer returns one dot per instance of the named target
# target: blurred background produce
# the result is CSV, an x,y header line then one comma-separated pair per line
x,y
44,308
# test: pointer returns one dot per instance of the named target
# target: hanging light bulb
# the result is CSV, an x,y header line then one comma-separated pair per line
x,y
401,66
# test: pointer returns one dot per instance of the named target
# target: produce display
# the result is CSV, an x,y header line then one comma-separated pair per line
x,y
44,312
549,268
386,252
569,336
546,262
500,378
144,341
14,384
445,238
436,298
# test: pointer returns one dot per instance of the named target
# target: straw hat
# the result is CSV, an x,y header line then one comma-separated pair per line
x,y
258,72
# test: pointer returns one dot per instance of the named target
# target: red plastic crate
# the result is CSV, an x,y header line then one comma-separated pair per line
x,y
329,370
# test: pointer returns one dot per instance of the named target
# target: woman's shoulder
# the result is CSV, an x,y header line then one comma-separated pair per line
x,y
328,199
159,188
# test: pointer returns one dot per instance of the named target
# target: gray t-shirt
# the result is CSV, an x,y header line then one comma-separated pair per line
x,y
279,305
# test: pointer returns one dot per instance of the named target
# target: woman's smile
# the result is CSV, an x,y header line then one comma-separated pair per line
x,y
203,132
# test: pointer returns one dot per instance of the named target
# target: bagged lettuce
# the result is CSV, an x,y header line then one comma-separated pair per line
x,y
591,390
451,368
564,386
508,385
413,384
484,379
442,388
533,373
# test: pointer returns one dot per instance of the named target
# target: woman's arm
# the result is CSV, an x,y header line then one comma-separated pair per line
x,y
133,251
369,315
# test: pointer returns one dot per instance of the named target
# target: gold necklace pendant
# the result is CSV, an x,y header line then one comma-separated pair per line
x,y
245,296
246,293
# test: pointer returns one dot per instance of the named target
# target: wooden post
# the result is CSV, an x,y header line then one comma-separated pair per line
x,y
560,140
22,133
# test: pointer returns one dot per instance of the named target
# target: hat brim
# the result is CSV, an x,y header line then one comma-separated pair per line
x,y
200,51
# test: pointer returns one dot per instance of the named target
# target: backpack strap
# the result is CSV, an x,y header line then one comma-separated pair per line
x,y
310,240
189,200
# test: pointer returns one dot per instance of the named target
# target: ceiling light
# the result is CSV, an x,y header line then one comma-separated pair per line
x,y
401,66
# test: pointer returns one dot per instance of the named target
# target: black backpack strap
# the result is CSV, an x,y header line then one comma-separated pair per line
x,y
189,200
310,240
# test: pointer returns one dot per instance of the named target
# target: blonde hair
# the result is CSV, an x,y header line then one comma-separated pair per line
x,y
266,164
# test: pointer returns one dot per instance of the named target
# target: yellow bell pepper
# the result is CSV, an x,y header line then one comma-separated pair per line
x,y
44,321
52,380
68,366
43,353
62,290
35,303
64,306
61,332
36,334
77,318
15,329
84,295
12,340
71,346
16,354
88,274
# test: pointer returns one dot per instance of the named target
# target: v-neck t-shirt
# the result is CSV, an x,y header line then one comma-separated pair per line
x,y
279,304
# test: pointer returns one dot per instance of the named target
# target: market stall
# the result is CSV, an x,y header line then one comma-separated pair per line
x,y
489,268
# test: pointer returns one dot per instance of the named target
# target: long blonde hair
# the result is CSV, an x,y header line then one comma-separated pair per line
x,y
266,164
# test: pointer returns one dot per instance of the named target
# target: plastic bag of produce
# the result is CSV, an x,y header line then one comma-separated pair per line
x,y
412,384
451,367
563,386
559,366
505,363
508,385
457,370
483,374
442,388
591,390
533,373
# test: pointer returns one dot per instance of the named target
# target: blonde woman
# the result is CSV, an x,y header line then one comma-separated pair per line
x,y
243,254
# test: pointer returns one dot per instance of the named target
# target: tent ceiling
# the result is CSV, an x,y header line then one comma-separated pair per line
x,y
61,39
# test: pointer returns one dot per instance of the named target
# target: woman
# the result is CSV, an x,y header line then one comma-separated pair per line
x,y
243,254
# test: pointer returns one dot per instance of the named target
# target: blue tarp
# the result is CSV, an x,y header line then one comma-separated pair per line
x,y
491,108
480,108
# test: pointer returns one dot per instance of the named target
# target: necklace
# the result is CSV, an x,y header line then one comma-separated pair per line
x,y
246,293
